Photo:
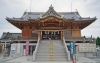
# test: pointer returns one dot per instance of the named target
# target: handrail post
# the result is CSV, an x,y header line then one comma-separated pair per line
x,y
34,53
68,52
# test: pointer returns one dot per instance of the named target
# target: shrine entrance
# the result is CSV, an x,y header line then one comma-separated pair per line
x,y
53,35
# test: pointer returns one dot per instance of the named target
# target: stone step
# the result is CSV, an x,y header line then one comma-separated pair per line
x,y
42,54
48,50
52,59
58,51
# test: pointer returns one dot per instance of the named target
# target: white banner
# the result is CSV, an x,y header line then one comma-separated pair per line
x,y
13,47
18,48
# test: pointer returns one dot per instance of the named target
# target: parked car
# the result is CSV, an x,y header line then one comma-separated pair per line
x,y
98,49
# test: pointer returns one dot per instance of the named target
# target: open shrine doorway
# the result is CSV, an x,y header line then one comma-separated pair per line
x,y
53,35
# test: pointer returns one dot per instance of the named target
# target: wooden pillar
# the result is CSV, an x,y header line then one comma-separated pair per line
x,y
61,35
40,34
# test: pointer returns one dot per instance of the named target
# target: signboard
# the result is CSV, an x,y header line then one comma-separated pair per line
x,y
13,47
18,48
72,48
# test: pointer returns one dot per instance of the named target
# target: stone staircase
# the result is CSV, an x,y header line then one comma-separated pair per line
x,y
51,50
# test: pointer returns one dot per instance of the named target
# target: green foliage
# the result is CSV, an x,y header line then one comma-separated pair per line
x,y
98,41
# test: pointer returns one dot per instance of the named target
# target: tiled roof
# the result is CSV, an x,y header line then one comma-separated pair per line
x,y
51,12
10,36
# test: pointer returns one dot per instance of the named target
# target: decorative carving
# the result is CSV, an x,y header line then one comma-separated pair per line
x,y
51,12
76,10
26,10
40,15
62,16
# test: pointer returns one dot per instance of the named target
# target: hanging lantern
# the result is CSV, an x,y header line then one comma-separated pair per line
x,y
58,32
45,32
48,32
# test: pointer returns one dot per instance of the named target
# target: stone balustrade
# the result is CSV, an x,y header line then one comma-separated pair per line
x,y
28,38
78,39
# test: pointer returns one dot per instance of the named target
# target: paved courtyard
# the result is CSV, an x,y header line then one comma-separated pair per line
x,y
97,58
24,59
28,59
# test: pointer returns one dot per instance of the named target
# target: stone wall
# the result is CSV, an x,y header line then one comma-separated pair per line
x,y
84,49
87,47
0,48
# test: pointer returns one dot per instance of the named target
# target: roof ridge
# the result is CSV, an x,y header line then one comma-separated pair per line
x,y
51,12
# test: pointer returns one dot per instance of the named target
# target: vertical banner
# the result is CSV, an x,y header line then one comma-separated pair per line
x,y
18,48
13,50
72,48
13,47
27,48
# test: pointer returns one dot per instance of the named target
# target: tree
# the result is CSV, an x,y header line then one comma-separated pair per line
x,y
98,41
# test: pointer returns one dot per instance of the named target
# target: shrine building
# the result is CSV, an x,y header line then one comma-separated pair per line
x,y
53,28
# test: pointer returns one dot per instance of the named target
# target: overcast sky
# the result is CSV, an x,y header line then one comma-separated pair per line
x,y
15,8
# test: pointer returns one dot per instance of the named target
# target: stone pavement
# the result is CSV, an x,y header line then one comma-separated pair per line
x,y
27,59
96,59
5,59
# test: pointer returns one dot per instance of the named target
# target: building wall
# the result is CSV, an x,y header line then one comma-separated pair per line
x,y
26,31
85,47
67,33
76,33
22,49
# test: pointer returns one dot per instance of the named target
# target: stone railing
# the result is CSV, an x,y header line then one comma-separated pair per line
x,y
28,38
35,52
78,39
68,52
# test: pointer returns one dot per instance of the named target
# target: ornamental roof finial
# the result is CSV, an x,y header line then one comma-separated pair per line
x,y
76,10
62,16
26,10
40,15
51,6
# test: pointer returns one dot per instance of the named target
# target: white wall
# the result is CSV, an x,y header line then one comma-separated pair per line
x,y
86,47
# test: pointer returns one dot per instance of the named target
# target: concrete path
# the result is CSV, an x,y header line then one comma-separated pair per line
x,y
26,59
5,59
